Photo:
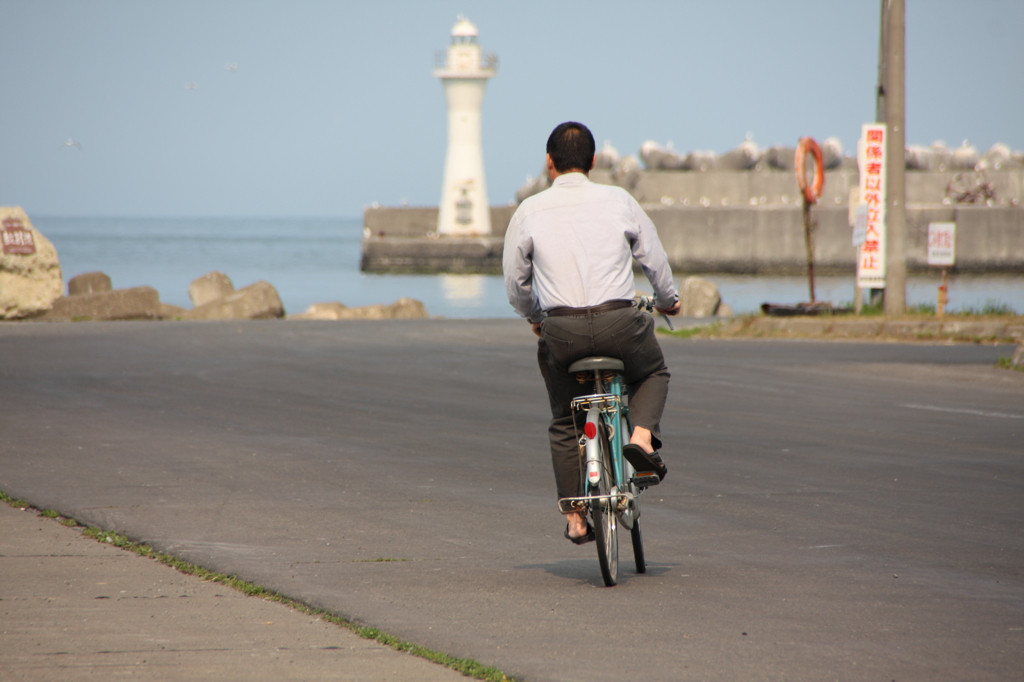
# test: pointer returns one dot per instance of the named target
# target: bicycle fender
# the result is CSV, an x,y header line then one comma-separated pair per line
x,y
593,448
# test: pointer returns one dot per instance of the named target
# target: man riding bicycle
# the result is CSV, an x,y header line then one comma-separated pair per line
x,y
568,265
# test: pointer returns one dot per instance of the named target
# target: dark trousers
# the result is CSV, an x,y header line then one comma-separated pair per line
x,y
626,334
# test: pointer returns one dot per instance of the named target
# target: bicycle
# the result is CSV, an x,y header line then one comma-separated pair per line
x,y
611,484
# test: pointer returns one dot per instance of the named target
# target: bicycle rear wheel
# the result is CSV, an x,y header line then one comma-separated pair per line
x,y
605,525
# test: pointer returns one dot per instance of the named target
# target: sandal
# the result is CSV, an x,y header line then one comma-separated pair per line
x,y
645,463
583,539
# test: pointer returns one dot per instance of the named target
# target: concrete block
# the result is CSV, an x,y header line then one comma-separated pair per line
x,y
321,311
386,222
699,297
403,308
806,325
258,301
30,274
980,329
136,303
407,309
856,328
989,239
738,324
795,326
89,283
766,324
376,311
171,312
911,328
213,286
438,254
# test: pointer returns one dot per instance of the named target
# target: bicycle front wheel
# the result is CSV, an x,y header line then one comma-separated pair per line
x,y
605,522
638,547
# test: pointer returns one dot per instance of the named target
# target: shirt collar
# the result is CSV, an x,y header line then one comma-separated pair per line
x,y
575,178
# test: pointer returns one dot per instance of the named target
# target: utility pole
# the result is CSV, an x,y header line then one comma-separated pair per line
x,y
891,103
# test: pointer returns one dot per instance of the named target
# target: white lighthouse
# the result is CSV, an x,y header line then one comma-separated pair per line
x,y
463,70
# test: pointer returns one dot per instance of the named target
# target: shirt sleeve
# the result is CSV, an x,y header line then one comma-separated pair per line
x,y
649,253
517,266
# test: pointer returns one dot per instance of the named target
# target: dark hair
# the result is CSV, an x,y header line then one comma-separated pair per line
x,y
571,146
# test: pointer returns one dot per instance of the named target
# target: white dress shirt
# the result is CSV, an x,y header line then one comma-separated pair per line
x,y
573,245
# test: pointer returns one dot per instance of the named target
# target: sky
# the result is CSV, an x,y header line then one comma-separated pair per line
x,y
320,108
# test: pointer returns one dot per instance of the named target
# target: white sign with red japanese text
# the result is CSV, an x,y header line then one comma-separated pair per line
x,y
871,160
941,244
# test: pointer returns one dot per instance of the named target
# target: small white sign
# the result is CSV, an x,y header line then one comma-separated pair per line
x,y
860,224
941,244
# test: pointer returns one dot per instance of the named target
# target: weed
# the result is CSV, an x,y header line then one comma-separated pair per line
x,y
49,513
19,504
1007,363
690,332
872,310
922,309
991,308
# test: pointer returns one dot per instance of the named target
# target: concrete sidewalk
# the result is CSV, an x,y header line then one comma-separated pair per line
x,y
72,608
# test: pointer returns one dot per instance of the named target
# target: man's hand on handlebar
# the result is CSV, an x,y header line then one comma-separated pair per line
x,y
674,310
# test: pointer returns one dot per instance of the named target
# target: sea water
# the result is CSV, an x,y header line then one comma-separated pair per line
x,y
317,260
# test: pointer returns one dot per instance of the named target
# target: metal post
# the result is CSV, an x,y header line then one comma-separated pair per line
x,y
809,242
874,295
896,189
943,292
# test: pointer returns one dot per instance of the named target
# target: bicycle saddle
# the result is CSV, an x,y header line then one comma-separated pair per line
x,y
596,363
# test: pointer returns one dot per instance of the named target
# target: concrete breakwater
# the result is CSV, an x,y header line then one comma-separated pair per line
x,y
743,222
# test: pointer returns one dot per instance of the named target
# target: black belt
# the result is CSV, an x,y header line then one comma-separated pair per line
x,y
605,307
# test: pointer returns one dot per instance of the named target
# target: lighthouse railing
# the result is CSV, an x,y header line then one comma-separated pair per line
x,y
488,62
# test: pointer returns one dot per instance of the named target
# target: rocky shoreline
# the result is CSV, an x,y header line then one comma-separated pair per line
x,y
91,297
32,289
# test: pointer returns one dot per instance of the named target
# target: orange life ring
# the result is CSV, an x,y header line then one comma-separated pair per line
x,y
811,192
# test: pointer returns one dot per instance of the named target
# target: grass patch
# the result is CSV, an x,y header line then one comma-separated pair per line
x,y
18,504
1007,363
922,309
372,561
690,332
466,666
687,333
869,310
989,309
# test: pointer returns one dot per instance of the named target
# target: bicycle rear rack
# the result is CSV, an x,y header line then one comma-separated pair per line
x,y
603,401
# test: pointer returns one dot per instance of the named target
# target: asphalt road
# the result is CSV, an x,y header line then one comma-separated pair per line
x,y
846,511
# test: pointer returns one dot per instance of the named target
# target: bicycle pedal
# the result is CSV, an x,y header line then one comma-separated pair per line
x,y
646,479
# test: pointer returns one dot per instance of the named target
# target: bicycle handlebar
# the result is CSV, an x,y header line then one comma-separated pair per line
x,y
646,303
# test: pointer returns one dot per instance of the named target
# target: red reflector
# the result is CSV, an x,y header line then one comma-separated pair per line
x,y
590,430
